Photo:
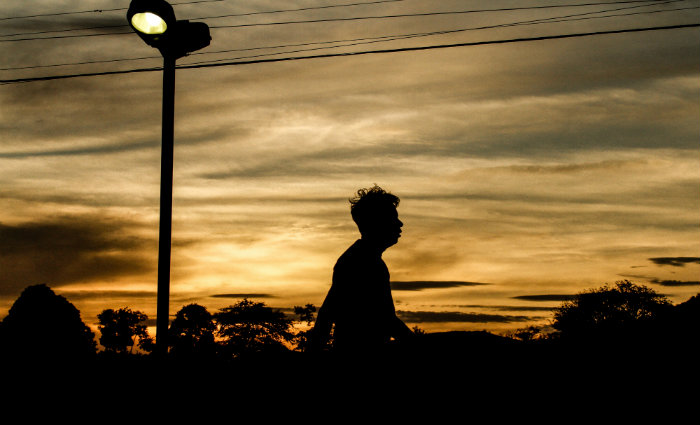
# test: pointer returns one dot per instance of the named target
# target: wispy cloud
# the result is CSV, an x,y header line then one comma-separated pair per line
x,y
420,285
106,294
456,316
243,295
508,307
91,150
675,261
675,282
545,297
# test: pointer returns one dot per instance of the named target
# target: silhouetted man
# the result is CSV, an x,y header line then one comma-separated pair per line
x,y
359,302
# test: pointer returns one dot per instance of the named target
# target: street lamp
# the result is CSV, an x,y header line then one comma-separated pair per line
x,y
154,21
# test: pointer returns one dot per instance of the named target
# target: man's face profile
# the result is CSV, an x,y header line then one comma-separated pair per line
x,y
384,226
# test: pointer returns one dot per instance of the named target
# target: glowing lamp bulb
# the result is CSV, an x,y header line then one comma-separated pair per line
x,y
148,23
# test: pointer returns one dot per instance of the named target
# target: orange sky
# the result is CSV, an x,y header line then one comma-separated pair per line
x,y
525,170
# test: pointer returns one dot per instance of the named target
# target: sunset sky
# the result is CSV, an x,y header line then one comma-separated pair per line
x,y
527,171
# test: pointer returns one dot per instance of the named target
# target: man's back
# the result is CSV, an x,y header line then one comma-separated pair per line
x,y
359,300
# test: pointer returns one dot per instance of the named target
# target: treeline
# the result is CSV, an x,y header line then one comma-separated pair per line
x,y
42,325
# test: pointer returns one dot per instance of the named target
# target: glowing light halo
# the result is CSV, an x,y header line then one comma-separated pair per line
x,y
149,23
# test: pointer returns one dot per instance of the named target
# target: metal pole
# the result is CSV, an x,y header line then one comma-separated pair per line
x,y
166,206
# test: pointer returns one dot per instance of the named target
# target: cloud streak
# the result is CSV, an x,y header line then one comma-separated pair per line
x,y
545,297
243,295
456,316
675,261
421,285
675,282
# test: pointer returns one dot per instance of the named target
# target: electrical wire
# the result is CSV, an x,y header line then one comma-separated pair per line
x,y
205,17
365,52
97,10
651,2
566,18
371,40
408,15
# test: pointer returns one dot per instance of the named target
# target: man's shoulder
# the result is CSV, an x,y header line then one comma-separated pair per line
x,y
358,253
354,253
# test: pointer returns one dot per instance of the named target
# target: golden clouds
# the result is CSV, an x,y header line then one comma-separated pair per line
x,y
553,165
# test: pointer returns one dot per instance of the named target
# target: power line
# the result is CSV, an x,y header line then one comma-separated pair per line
x,y
191,2
470,11
205,17
372,40
440,46
96,10
366,52
568,18
302,9
651,2
79,63
408,15
208,17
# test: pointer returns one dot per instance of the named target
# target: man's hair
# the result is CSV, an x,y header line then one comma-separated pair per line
x,y
370,202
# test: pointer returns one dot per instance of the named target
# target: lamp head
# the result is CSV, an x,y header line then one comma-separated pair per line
x,y
154,21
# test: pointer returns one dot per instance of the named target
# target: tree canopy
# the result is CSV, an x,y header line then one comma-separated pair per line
x,y
121,328
624,309
192,332
43,324
251,327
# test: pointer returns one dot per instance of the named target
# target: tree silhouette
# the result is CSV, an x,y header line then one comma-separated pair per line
x,y
192,332
120,328
251,327
43,325
530,333
621,312
684,325
306,314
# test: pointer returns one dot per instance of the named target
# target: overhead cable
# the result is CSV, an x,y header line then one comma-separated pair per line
x,y
372,40
325,20
366,52
96,10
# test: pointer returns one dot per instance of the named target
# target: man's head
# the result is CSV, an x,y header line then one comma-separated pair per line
x,y
374,212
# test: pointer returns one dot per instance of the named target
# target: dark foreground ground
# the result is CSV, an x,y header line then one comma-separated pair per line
x,y
462,377
462,361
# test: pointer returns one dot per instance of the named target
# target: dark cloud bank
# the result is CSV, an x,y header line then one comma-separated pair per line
x,y
545,297
675,282
67,250
456,316
419,285
675,261
243,295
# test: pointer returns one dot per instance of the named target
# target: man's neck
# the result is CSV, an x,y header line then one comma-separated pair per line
x,y
374,245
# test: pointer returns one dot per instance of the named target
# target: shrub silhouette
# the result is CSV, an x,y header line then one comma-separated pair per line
x,y
120,329
42,326
249,327
192,332
623,312
306,314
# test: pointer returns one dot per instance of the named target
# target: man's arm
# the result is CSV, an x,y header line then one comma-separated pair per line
x,y
321,331
400,331
320,334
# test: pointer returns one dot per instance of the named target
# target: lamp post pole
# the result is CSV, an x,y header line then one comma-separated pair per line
x,y
166,205
154,21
